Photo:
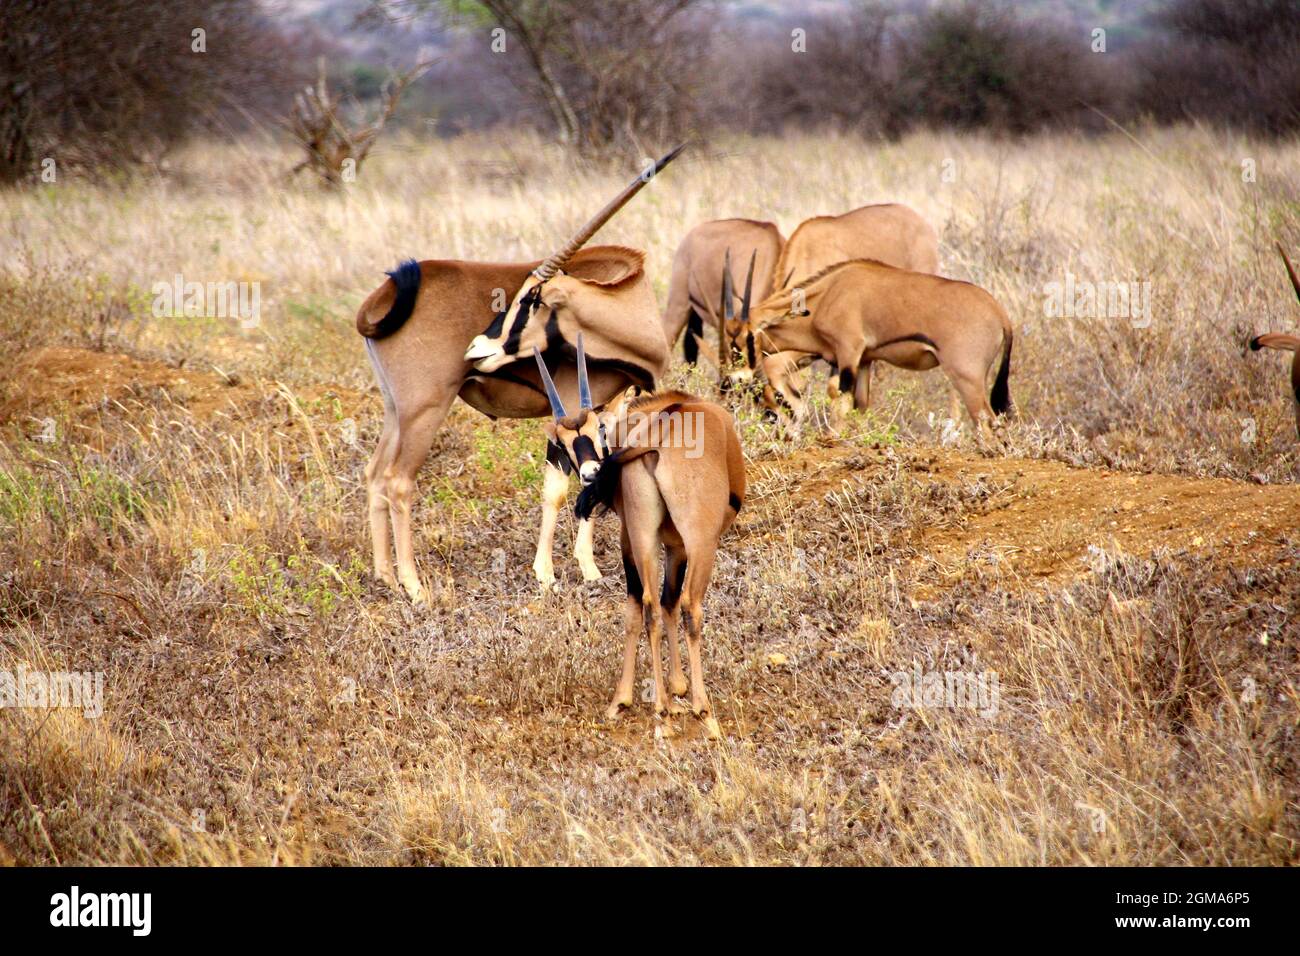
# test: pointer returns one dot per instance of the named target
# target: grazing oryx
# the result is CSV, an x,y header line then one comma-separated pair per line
x,y
424,331
889,232
675,474
697,264
858,312
1286,343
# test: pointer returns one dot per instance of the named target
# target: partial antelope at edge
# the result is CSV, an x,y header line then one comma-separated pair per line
x,y
1285,343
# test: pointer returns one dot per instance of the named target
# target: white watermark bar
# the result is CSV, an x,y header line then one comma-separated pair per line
x,y
49,690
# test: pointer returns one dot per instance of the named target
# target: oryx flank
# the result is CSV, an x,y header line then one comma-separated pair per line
x,y
1285,343
695,290
670,491
887,232
858,312
425,336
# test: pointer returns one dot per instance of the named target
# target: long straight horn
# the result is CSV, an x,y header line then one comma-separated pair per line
x,y
584,389
554,262
749,289
728,306
1290,270
557,406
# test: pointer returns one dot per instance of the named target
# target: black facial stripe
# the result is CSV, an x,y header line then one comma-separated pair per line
x,y
498,324
749,346
584,450
522,315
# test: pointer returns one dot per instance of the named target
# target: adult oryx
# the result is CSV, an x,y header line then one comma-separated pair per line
x,y
674,472
427,342
1285,343
695,290
891,233
858,312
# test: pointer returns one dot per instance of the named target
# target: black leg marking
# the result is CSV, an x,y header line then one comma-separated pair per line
x,y
694,335
634,588
672,590
846,380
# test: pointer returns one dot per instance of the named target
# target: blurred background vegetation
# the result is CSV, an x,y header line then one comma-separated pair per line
x,y
119,82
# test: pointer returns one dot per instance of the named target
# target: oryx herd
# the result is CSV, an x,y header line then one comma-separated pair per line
x,y
583,332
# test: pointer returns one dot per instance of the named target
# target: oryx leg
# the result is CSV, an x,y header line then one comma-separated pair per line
x,y
969,384
643,514
699,569
555,489
381,542
584,550
848,357
633,624
954,404
669,597
862,387
848,376
414,439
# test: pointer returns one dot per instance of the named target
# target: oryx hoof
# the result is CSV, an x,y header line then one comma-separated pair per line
x,y
711,729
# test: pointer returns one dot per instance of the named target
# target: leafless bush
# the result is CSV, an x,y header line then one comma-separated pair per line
x,y
330,142
117,82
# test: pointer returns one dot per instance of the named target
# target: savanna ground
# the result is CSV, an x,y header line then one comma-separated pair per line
x,y
181,508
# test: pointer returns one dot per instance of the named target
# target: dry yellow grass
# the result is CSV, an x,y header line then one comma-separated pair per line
x,y
195,531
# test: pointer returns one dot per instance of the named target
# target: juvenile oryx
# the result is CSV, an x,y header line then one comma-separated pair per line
x,y
675,474
695,286
419,325
858,312
1285,343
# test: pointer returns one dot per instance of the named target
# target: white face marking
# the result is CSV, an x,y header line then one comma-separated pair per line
x,y
481,348
742,375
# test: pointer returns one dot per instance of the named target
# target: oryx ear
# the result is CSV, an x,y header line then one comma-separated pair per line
x,y
551,431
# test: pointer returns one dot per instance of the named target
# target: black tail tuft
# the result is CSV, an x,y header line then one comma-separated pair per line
x,y
1000,397
600,493
694,335
407,279
1254,343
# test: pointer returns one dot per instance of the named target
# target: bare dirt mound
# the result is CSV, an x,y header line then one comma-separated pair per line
x,y
1045,521
79,381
